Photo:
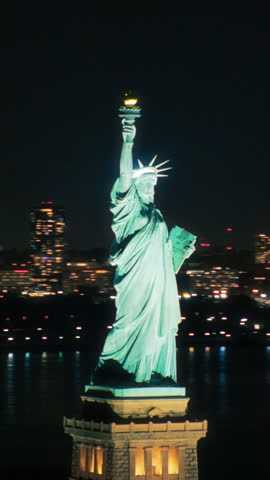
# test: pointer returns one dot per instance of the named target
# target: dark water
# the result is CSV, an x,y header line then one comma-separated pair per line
x,y
229,386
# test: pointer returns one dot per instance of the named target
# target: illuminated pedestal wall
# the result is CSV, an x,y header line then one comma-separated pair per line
x,y
146,449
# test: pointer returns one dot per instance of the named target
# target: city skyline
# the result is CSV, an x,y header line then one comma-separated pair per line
x,y
229,238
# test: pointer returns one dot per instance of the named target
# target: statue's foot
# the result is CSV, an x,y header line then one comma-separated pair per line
x,y
111,374
158,381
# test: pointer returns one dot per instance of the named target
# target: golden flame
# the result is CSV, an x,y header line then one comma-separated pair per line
x,y
130,101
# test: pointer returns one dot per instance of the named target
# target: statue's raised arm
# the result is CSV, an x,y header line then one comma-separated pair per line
x,y
126,161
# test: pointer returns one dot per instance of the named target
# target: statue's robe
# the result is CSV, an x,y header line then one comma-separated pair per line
x,y
143,336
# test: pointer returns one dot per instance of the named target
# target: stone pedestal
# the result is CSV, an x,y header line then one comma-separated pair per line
x,y
134,436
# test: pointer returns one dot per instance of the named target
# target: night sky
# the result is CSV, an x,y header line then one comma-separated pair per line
x,y
203,82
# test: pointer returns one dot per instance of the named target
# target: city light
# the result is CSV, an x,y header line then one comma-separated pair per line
x,y
186,295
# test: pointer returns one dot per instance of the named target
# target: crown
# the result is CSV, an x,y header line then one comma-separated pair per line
x,y
155,170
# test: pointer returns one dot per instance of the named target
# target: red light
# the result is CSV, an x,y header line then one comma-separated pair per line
x,y
205,244
229,229
228,248
46,203
21,271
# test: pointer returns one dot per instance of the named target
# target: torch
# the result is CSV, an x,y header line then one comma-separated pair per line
x,y
130,110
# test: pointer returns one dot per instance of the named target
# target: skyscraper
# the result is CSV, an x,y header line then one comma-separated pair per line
x,y
47,247
262,248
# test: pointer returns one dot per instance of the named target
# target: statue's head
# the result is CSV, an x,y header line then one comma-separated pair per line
x,y
146,178
145,185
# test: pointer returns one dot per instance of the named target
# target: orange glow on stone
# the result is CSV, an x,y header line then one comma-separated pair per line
x,y
173,461
139,462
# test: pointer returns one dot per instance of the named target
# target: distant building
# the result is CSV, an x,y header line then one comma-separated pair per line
x,y
14,280
82,276
262,248
47,247
216,282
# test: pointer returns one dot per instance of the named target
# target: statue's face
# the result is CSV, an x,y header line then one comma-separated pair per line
x,y
146,187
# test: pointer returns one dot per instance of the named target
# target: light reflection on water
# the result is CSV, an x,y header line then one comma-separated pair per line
x,y
38,389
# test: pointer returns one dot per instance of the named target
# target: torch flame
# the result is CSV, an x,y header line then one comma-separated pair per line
x,y
130,101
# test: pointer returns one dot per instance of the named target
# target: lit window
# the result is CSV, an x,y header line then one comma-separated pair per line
x,y
99,456
173,461
95,459
82,458
139,462
156,461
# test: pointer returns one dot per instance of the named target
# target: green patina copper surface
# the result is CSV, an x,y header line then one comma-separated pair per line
x,y
142,340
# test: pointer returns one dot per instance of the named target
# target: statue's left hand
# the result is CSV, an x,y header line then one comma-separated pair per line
x,y
189,249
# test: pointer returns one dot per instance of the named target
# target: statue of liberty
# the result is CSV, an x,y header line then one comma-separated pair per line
x,y
142,340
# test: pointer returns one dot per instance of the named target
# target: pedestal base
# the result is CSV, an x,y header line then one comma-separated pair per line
x,y
134,434
137,402
135,451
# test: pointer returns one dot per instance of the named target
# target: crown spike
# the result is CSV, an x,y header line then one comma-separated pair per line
x,y
162,175
163,169
163,163
152,161
140,164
